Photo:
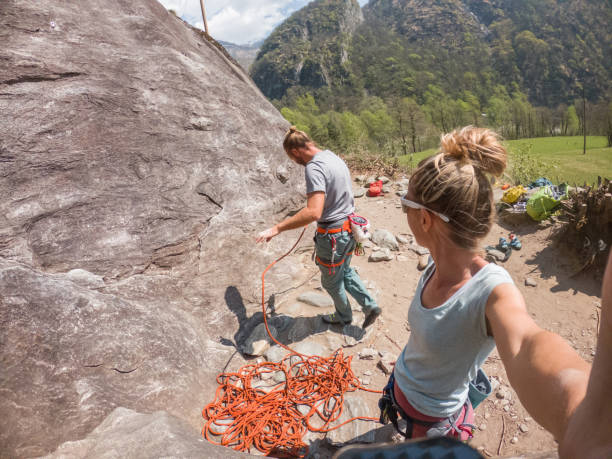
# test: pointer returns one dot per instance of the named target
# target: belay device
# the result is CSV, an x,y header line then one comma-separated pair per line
x,y
360,227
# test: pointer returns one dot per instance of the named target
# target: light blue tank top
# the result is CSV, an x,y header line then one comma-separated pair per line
x,y
447,344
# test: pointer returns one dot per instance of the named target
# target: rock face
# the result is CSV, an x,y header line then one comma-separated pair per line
x,y
445,20
126,433
137,161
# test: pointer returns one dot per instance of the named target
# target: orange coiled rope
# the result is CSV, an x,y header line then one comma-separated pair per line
x,y
310,396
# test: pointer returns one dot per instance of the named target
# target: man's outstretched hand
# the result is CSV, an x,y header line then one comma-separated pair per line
x,y
267,234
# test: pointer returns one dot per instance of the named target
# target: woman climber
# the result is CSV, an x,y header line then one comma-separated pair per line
x,y
463,306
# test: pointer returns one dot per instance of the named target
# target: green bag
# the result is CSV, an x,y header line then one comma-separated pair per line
x,y
542,204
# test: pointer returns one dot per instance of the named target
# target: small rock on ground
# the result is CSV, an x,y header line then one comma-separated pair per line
x,y
368,354
359,192
423,262
385,239
402,239
529,282
418,249
387,362
380,255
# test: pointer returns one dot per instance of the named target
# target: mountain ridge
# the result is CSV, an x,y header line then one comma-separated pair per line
x,y
545,49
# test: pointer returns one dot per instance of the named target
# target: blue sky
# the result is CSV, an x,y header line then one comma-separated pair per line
x,y
237,21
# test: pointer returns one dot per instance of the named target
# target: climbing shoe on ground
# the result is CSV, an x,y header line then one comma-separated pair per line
x,y
515,243
335,319
503,244
371,317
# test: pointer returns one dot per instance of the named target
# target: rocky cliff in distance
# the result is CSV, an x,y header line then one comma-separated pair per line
x,y
244,54
136,165
444,22
309,49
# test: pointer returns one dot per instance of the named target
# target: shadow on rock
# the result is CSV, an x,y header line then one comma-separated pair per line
x,y
285,329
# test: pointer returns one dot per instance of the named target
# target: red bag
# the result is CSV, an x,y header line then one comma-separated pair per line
x,y
375,189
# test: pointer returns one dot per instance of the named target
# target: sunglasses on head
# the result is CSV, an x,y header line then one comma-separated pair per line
x,y
415,205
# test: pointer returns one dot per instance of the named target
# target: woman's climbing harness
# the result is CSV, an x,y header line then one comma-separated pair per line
x,y
309,396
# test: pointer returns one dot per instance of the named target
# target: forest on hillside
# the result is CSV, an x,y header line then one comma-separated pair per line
x,y
411,69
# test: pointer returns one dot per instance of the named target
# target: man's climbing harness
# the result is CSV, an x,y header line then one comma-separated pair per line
x,y
310,396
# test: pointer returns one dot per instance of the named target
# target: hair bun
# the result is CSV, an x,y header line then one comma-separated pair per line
x,y
293,129
479,146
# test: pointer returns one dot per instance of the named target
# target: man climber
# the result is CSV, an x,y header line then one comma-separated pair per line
x,y
330,202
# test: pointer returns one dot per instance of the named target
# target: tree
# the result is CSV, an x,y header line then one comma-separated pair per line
x,y
410,121
572,123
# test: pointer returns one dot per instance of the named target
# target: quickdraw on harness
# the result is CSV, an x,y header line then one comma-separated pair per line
x,y
390,411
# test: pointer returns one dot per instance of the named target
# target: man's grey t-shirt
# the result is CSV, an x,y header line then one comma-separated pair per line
x,y
328,173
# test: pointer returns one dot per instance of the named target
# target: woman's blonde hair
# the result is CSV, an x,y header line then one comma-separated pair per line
x,y
295,138
454,182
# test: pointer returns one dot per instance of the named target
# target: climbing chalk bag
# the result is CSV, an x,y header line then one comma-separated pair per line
x,y
360,226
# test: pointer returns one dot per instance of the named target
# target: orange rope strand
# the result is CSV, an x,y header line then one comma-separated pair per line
x,y
310,397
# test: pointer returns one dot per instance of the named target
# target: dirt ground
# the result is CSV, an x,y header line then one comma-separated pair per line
x,y
560,303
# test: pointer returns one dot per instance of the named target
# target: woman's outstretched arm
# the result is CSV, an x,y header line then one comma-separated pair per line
x,y
589,434
547,374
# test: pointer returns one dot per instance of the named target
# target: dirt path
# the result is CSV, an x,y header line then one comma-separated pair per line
x,y
565,305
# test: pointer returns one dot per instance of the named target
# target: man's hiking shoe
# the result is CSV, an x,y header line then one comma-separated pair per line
x,y
334,319
371,317
515,243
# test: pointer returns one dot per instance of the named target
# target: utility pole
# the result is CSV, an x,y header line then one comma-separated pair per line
x,y
583,119
204,17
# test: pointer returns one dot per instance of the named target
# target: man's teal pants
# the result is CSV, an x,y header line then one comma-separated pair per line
x,y
333,256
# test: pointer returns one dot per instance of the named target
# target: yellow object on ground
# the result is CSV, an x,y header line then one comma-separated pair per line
x,y
513,194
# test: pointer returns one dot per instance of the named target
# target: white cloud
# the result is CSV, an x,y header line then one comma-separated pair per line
x,y
237,21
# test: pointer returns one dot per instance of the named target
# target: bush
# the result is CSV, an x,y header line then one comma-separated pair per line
x,y
524,167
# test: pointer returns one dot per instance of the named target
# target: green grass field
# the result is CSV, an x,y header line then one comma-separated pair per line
x,y
560,159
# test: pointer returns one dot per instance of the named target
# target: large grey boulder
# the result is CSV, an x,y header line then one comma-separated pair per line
x,y
126,433
137,163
